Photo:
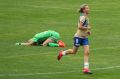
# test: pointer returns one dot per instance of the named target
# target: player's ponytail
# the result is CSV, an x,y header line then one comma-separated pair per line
x,y
82,7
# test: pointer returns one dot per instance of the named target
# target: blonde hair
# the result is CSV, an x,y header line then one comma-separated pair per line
x,y
82,7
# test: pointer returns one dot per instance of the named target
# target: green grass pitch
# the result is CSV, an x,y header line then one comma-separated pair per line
x,y
21,19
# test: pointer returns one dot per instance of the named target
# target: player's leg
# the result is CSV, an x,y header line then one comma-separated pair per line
x,y
86,57
29,43
70,51
66,52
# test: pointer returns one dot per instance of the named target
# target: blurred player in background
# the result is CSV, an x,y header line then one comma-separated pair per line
x,y
81,38
46,38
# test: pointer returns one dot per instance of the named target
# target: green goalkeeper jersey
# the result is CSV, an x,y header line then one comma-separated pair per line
x,y
41,37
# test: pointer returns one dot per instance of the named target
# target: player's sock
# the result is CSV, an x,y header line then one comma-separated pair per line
x,y
22,43
86,65
64,53
17,43
86,69
53,45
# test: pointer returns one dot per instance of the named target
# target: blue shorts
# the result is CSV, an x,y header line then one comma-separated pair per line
x,y
80,41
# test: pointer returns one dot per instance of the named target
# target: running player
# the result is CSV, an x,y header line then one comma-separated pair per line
x,y
81,38
46,38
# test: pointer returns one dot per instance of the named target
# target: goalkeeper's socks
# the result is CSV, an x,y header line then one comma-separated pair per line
x,y
53,45
18,44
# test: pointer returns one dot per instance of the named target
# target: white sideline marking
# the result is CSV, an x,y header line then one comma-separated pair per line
x,y
24,55
94,49
53,73
112,67
112,47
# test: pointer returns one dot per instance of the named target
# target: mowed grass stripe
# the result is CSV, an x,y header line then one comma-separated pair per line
x,y
52,53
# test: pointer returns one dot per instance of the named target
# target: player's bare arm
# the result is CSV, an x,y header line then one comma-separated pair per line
x,y
83,28
47,41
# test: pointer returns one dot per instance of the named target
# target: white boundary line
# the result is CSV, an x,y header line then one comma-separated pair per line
x,y
110,47
112,67
94,49
54,73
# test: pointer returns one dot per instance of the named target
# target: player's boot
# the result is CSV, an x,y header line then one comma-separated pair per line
x,y
61,43
60,55
87,71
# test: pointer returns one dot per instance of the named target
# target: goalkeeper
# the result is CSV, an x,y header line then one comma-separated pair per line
x,y
47,38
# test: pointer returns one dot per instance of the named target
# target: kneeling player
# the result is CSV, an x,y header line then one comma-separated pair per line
x,y
46,38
